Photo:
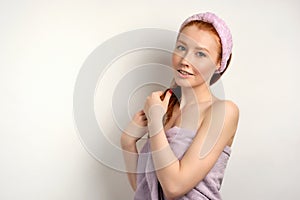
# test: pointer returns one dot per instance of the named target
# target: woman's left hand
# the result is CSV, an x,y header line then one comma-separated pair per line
x,y
155,108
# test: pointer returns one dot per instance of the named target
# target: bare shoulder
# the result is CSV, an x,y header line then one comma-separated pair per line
x,y
231,109
232,113
225,112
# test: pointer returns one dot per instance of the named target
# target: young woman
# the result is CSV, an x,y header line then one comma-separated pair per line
x,y
190,131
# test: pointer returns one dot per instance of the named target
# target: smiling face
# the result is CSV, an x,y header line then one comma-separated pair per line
x,y
196,56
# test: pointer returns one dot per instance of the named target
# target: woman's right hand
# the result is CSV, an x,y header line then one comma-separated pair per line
x,y
137,127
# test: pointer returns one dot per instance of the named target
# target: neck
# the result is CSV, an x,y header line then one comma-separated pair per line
x,y
196,95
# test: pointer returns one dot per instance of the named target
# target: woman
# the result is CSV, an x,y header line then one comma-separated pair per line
x,y
190,132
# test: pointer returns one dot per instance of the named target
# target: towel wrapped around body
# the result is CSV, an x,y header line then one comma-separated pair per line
x,y
179,140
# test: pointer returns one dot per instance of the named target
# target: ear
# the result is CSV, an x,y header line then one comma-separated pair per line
x,y
218,65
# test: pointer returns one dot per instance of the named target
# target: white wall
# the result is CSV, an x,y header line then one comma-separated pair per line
x,y
43,47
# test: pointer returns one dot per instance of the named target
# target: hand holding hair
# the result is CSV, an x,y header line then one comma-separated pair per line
x,y
155,109
137,127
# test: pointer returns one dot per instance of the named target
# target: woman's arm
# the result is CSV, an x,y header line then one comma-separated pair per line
x,y
136,129
179,177
130,154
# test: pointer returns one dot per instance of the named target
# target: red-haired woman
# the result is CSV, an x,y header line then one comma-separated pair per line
x,y
190,131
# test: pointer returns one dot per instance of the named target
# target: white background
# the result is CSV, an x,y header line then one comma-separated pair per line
x,y
44,44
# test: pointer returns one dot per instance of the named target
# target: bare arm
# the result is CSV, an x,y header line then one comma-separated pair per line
x,y
130,155
179,177
136,129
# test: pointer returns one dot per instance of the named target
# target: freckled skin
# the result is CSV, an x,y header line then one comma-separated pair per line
x,y
188,58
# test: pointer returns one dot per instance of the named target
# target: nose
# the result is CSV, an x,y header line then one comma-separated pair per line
x,y
185,60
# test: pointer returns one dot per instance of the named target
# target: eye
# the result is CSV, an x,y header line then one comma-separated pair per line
x,y
201,54
180,48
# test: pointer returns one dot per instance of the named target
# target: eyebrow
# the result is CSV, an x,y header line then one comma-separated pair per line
x,y
198,47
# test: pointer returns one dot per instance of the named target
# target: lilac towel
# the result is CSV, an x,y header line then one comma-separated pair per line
x,y
179,139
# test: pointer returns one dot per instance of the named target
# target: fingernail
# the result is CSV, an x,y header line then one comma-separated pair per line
x,y
170,90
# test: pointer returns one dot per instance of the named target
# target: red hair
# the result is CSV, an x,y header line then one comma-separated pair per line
x,y
206,27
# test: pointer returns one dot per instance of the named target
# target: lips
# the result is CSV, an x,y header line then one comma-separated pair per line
x,y
183,72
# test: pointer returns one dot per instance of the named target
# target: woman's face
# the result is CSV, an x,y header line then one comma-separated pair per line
x,y
195,56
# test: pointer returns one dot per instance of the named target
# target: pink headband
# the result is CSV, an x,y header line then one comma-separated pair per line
x,y
221,28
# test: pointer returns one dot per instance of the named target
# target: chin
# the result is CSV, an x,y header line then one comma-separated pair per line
x,y
185,83
189,83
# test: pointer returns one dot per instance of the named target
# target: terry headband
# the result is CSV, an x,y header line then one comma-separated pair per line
x,y
223,32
